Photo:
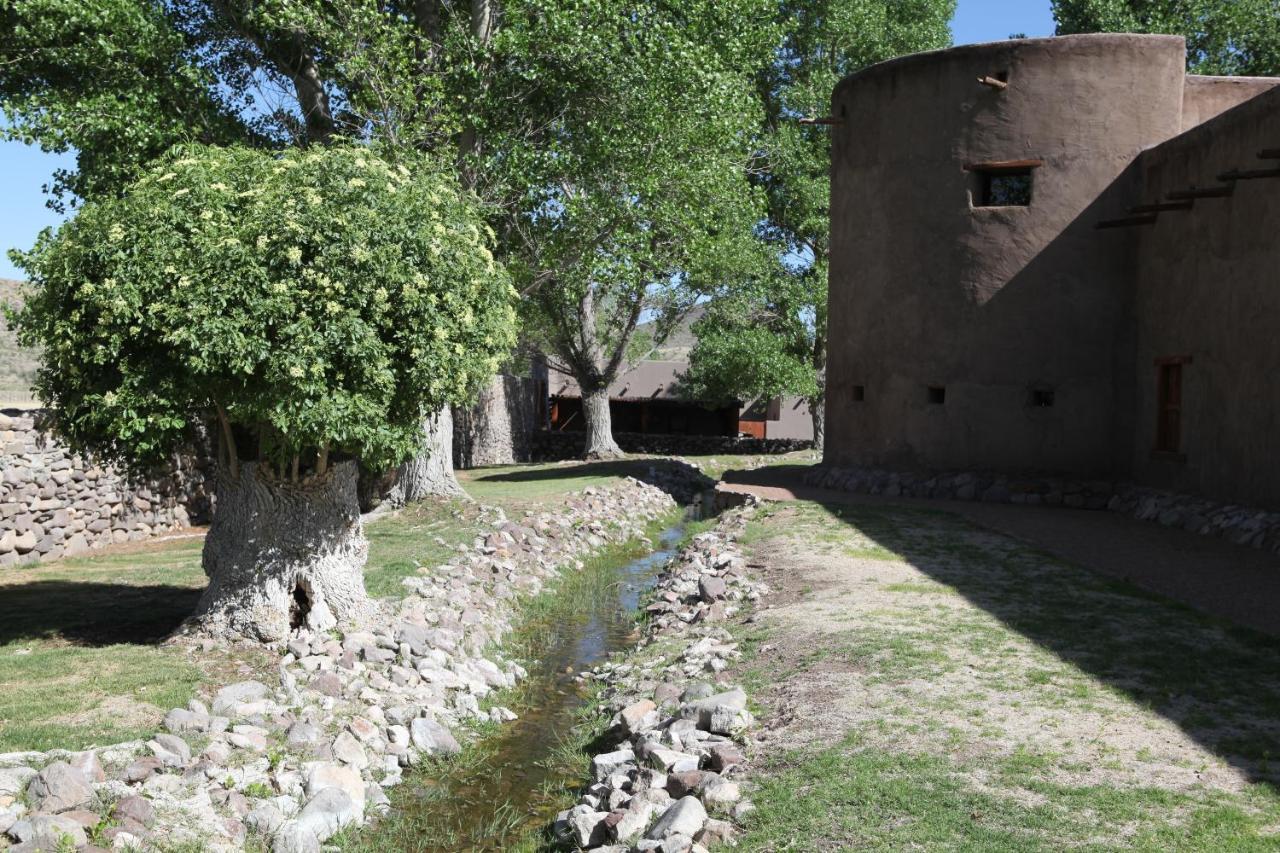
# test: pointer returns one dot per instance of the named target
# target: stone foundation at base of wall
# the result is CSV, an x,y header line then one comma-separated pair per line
x,y
1256,528
56,503
551,446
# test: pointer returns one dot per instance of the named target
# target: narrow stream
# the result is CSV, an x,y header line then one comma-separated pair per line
x,y
507,793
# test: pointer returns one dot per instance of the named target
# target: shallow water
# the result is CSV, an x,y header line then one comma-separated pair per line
x,y
504,795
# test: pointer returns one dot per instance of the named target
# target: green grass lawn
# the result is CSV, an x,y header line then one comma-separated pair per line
x,y
948,687
81,655
82,660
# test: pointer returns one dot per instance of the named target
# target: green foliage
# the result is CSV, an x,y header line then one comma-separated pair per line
x,y
322,298
768,336
754,341
632,196
258,791
113,80
1223,36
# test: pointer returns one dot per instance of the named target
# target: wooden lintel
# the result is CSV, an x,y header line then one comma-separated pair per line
x,y
826,121
1269,154
1202,192
1003,166
1249,174
1127,222
1161,206
993,82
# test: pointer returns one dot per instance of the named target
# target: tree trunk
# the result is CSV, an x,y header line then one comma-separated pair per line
x,y
818,411
430,473
595,410
282,556
497,428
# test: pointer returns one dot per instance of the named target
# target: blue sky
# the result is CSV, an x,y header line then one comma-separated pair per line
x,y
25,170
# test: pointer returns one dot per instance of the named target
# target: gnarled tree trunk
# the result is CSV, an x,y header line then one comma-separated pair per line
x,y
430,473
818,411
282,556
599,424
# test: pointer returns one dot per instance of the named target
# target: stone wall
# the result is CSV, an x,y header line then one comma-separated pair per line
x,y
55,503
1250,526
551,446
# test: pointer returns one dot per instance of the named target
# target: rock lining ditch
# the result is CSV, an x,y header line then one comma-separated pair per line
x,y
289,766
668,781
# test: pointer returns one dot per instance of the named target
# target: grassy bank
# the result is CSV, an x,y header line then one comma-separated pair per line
x,y
82,658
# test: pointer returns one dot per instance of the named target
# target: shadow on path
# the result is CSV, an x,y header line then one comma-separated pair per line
x,y
1218,681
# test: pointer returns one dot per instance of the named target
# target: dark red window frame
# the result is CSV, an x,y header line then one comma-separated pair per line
x,y
1169,372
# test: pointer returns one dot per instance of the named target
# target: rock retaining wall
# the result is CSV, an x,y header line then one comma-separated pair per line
x,y
287,765
552,446
669,782
56,503
1256,528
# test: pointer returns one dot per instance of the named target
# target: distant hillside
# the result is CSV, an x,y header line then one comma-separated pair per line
x,y
17,365
677,345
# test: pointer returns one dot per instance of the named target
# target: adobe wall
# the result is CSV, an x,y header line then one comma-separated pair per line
x,y
1207,97
55,503
1208,287
990,303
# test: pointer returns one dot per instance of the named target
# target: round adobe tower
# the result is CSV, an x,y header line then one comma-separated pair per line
x,y
974,315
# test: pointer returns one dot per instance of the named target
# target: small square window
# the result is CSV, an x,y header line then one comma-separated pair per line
x,y
937,395
1004,188
1042,398
859,393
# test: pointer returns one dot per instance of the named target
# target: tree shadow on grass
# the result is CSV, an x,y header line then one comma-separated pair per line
x,y
654,471
93,614
568,471
1218,682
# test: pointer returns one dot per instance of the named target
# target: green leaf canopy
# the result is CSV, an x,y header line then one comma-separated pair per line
x,y
1223,36
322,298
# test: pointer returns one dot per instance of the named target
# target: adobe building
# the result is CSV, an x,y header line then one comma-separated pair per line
x,y
645,399
1058,256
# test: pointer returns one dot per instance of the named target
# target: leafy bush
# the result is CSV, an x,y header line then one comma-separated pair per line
x,y
322,299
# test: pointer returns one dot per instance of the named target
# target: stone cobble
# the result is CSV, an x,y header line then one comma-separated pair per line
x,y
1256,528
670,781
55,503
293,763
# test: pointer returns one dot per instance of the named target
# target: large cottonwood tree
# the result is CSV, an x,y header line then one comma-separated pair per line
x,y
306,307
610,138
1233,37
768,336
621,135
120,81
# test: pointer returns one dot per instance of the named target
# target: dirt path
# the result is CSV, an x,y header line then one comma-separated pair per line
x,y
939,684
1236,583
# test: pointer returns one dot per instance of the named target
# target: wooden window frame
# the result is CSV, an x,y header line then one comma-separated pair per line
x,y
1169,406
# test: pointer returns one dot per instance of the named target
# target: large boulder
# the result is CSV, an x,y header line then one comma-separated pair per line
x,y
230,698
346,779
683,817
59,788
13,780
327,812
433,738
48,832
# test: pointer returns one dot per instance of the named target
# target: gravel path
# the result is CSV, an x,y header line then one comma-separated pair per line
x,y
1213,576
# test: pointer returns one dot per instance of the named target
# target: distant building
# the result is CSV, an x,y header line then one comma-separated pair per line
x,y
1058,256
644,399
